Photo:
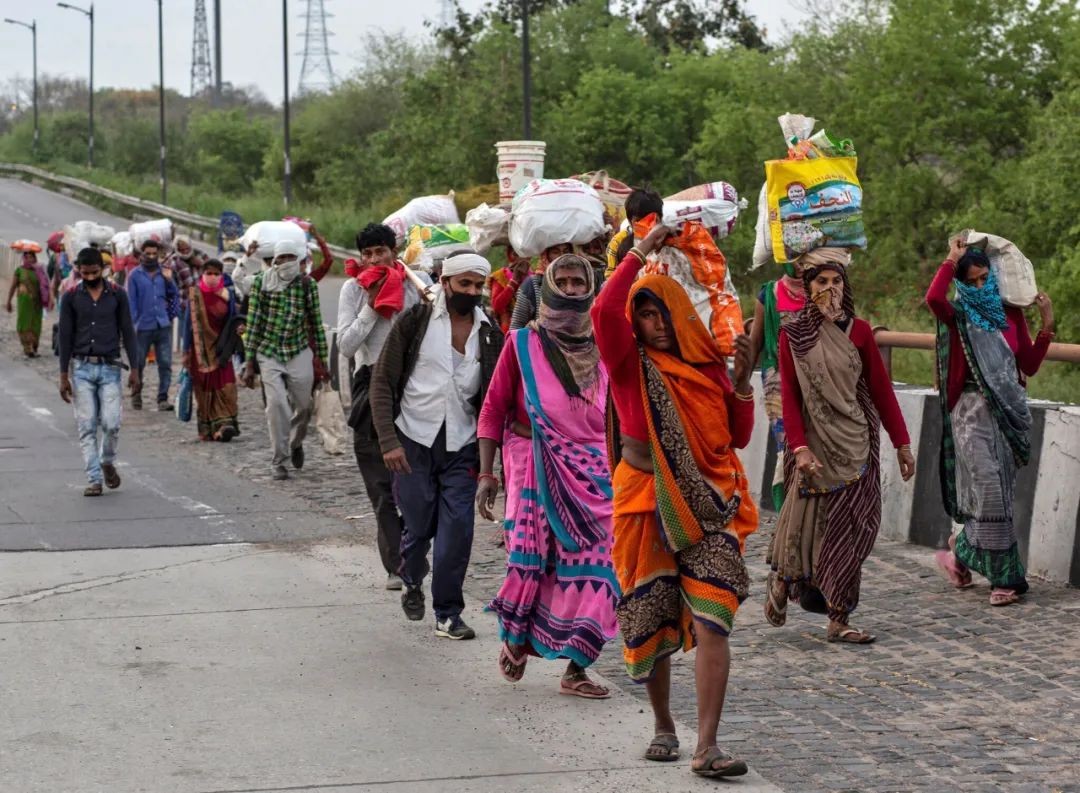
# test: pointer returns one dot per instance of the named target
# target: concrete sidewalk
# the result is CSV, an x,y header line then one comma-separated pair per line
x,y
252,668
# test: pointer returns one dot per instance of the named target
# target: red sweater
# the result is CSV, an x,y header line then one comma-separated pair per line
x,y
618,350
1029,356
881,390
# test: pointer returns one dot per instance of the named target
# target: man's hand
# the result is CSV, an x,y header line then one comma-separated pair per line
x,y
396,461
167,272
134,381
957,247
373,290
65,387
252,248
906,461
807,463
744,367
322,374
249,375
486,490
520,270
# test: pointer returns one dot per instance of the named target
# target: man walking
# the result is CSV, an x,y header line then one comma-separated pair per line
x,y
154,299
95,322
370,301
426,393
285,335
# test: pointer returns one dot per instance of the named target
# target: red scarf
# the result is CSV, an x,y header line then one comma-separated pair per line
x,y
391,297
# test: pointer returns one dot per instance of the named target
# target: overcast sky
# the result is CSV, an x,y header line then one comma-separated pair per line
x,y
126,37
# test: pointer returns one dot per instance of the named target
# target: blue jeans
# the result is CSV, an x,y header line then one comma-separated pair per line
x,y
438,502
161,340
97,405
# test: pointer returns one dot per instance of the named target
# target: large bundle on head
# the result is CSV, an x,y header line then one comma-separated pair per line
x,y
548,212
429,210
86,234
268,233
1015,274
122,244
612,192
429,244
488,226
812,198
158,230
715,206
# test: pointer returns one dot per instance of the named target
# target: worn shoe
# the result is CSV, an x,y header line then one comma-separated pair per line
x,y
93,489
453,628
298,457
136,401
412,603
112,478
394,583
163,406
280,474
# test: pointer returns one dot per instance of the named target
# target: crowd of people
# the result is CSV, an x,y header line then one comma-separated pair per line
x,y
597,399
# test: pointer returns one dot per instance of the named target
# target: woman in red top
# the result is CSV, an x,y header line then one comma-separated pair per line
x,y
836,396
682,503
981,346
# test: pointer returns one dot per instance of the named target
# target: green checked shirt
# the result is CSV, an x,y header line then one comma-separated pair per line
x,y
278,322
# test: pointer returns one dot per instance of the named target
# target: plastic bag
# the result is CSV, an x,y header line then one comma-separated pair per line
x,y
1014,271
86,234
692,259
762,238
814,203
428,244
427,210
160,230
184,396
330,419
549,212
715,205
612,192
268,233
122,244
488,226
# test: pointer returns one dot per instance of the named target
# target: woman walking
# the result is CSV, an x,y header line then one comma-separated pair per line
x,y
30,289
545,406
211,340
836,396
984,350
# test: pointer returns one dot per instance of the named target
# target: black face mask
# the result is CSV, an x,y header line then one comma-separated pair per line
x,y
462,304
150,264
92,283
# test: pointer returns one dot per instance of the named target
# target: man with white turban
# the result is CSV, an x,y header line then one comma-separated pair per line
x,y
426,392
285,336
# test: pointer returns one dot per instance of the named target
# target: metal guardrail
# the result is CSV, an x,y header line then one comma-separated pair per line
x,y
887,340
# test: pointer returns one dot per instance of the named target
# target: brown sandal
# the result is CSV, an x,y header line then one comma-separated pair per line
x,y
775,608
730,766
663,748
850,636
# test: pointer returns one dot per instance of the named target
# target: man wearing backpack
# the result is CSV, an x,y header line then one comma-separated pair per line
x,y
285,335
426,393
95,322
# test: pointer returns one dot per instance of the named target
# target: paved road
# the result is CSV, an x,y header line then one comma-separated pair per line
x,y
34,212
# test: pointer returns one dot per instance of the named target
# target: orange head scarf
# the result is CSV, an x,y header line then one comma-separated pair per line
x,y
695,345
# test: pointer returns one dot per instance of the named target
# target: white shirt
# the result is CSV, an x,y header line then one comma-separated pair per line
x,y
438,392
361,330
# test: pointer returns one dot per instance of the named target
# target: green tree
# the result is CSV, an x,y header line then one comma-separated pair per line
x,y
229,148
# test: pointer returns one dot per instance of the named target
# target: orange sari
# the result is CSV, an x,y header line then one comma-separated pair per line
x,y
680,530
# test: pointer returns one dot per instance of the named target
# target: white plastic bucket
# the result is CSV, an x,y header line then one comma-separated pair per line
x,y
520,161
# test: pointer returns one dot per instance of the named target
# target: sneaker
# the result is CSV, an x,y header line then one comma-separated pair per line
x,y
280,474
136,401
412,603
163,406
93,489
112,478
394,583
453,628
298,457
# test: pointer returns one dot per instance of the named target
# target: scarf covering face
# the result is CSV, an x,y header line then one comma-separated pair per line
x,y
565,328
279,276
391,297
828,309
982,306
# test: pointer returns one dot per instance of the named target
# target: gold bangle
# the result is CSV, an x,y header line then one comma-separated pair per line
x,y
745,398
635,252
800,449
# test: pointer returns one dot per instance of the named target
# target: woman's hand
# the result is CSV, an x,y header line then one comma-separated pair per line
x,y
744,365
654,239
486,490
957,247
906,461
1046,311
807,463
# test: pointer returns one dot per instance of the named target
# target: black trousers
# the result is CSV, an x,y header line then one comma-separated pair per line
x,y
379,483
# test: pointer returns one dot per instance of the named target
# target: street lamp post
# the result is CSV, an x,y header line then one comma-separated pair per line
x,y
526,69
32,27
161,97
285,64
89,13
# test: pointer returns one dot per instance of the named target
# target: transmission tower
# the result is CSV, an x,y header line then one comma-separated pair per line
x,y
316,73
446,14
202,74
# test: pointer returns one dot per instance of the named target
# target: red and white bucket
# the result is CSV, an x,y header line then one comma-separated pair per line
x,y
520,161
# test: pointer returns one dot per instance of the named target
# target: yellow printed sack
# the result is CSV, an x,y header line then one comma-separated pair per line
x,y
813,203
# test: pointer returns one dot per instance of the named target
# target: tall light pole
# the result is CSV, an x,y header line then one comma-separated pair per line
x,y
161,96
32,27
285,64
217,50
89,13
526,69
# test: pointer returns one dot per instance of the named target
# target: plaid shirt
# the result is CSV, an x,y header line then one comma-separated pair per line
x,y
277,322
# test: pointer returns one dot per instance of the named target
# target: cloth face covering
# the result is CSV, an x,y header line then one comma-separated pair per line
x,y
391,297
983,306
565,328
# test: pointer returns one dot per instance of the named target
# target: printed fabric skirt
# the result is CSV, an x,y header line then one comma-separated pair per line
x,y
664,593
985,478
216,404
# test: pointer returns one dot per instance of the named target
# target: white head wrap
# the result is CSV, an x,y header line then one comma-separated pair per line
x,y
466,263
279,276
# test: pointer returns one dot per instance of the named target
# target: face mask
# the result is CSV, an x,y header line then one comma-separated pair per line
x,y
150,264
92,284
288,270
461,303
211,281
830,302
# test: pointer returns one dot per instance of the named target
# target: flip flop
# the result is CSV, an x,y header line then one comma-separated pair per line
x,y
851,636
959,577
578,686
775,613
512,667
1003,597
730,765
668,742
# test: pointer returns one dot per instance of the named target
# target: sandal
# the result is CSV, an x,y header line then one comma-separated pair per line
x,y
92,490
730,766
775,612
958,575
664,748
577,684
512,667
851,636
1003,597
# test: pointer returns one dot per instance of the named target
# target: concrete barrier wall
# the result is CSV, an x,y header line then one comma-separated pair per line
x,y
1047,507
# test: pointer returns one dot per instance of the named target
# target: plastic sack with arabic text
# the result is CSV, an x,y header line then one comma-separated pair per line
x,y
426,210
813,203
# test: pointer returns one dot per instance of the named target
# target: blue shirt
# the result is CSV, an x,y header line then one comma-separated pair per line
x,y
149,294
